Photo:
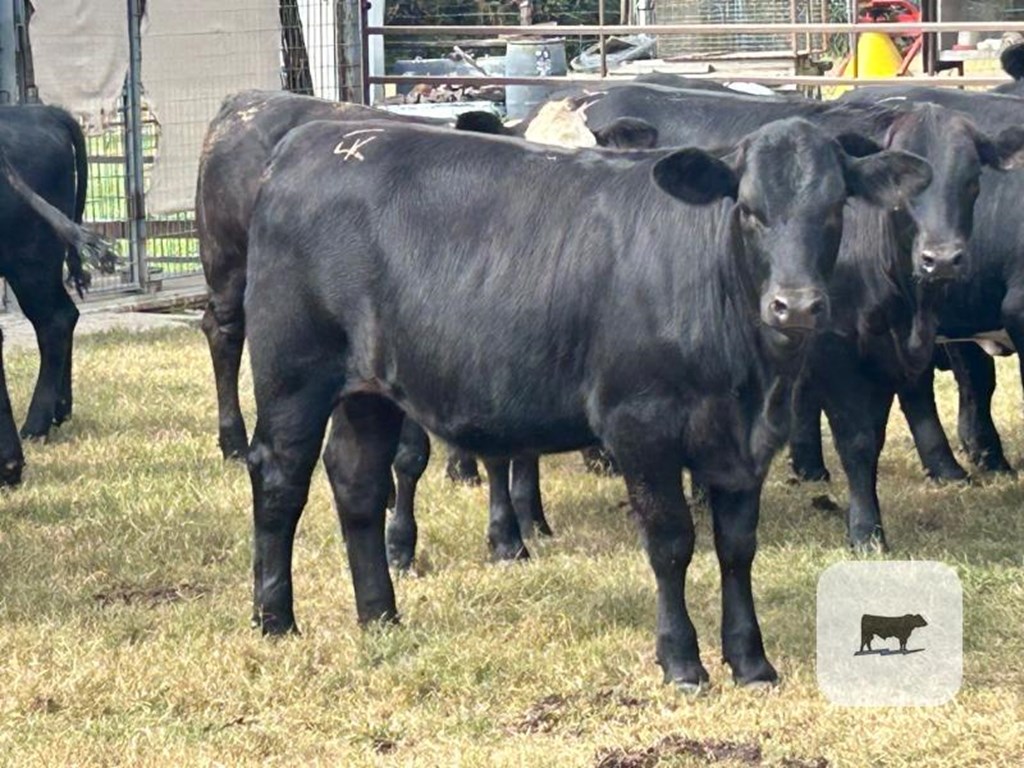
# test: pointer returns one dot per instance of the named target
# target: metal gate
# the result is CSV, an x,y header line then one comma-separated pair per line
x,y
130,152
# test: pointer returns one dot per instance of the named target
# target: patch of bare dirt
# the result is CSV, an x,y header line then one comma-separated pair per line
x,y
709,750
149,596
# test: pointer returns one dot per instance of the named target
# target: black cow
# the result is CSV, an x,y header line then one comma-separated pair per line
x,y
885,627
46,147
889,285
238,143
624,300
992,296
1012,59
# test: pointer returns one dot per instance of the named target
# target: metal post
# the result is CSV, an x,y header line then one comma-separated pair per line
x,y
8,54
364,48
600,39
136,197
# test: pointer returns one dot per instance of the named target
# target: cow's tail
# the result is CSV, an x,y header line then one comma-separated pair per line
x,y
76,238
76,275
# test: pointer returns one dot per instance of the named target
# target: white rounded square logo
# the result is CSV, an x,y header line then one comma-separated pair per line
x,y
890,633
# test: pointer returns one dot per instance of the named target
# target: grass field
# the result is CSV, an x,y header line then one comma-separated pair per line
x,y
124,605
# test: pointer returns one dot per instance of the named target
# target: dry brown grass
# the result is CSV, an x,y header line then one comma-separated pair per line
x,y
124,565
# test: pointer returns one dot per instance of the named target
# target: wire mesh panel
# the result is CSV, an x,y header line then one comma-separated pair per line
x,y
734,12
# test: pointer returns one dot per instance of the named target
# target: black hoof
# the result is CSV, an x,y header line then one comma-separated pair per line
x,y
544,529
233,446
10,472
872,543
754,672
61,413
34,434
951,474
505,552
688,676
273,626
809,475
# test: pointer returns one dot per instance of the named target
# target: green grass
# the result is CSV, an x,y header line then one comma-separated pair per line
x,y
124,565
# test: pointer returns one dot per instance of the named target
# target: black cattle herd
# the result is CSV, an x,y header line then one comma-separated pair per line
x,y
690,289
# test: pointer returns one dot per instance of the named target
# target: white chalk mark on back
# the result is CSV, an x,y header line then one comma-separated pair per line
x,y
353,151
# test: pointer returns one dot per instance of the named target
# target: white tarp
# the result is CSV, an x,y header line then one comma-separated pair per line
x,y
194,54
80,53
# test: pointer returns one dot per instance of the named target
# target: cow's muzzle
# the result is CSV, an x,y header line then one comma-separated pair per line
x,y
941,262
795,310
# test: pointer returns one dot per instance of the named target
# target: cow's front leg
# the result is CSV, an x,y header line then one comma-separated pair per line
x,y
858,427
656,497
805,455
735,515
12,460
975,373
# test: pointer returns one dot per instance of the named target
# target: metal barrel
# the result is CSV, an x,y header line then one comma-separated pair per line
x,y
531,58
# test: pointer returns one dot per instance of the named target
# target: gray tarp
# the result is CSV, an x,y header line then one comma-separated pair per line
x,y
80,53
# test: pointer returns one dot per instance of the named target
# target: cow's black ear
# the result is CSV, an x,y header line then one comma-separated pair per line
x,y
858,145
888,178
480,122
1012,60
1005,152
695,177
627,133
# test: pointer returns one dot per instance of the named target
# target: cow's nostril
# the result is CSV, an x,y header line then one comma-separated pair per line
x,y
928,261
778,307
817,307
957,259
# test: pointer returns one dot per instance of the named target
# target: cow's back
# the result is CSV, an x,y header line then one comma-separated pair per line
x,y
453,243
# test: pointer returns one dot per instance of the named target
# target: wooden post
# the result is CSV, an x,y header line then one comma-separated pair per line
x,y
526,13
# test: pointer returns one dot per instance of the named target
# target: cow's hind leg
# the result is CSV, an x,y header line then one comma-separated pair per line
x,y
364,437
224,326
918,405
292,413
526,498
410,463
12,460
461,467
735,516
53,316
503,534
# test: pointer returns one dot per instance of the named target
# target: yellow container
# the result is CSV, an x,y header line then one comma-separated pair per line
x,y
877,56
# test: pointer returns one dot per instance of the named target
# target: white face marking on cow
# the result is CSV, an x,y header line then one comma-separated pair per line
x,y
352,151
558,124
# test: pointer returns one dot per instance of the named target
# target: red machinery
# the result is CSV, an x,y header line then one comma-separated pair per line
x,y
889,11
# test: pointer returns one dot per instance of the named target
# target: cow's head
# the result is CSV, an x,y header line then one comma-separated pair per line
x,y
917,620
790,182
944,212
